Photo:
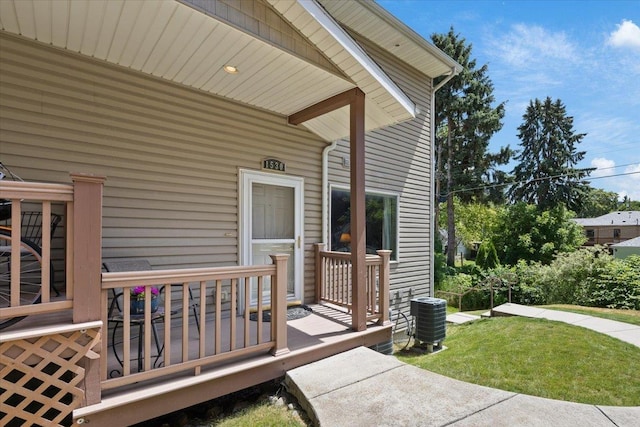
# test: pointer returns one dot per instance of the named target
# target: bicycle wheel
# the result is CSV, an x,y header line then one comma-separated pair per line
x,y
401,330
30,275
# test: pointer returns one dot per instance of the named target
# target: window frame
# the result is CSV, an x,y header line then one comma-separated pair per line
x,y
395,254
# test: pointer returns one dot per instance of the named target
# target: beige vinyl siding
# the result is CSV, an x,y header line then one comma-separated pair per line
x,y
398,160
170,154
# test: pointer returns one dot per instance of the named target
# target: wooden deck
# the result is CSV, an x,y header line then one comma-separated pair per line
x,y
323,333
64,343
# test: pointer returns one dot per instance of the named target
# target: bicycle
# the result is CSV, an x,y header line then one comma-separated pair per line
x,y
402,329
30,267
29,264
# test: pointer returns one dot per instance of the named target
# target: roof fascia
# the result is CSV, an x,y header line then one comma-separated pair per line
x,y
341,36
409,33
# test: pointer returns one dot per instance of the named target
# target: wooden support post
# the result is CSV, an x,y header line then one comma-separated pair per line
x,y
383,287
279,305
87,260
319,247
358,213
355,99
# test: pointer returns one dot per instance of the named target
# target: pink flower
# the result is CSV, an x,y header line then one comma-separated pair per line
x,y
138,292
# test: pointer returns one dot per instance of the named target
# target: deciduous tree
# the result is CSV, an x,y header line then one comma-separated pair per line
x,y
524,232
597,202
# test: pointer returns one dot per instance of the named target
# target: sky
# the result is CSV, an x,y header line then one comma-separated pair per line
x,y
585,53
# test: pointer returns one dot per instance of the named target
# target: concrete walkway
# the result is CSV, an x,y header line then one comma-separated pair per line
x,y
461,317
364,388
623,331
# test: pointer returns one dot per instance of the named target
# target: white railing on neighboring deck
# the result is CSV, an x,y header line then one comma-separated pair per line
x,y
226,329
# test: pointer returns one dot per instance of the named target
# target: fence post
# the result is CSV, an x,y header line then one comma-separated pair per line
x,y
87,260
319,247
279,305
384,287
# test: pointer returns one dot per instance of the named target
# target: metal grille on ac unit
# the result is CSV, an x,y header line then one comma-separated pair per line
x,y
431,319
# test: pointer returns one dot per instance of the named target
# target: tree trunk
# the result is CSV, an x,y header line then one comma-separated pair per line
x,y
451,223
438,186
451,233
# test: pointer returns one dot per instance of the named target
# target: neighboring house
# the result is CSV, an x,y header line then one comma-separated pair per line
x,y
228,131
461,248
626,248
611,228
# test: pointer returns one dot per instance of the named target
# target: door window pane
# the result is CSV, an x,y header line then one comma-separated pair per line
x,y
273,212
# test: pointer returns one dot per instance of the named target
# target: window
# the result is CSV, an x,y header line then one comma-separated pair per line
x,y
382,222
616,233
591,234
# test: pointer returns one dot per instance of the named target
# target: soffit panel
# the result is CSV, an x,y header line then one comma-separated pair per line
x,y
374,23
342,52
172,41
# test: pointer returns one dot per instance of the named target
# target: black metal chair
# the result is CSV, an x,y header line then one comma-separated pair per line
x,y
116,318
144,265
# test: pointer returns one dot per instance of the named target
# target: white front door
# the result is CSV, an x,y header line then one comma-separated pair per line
x,y
272,223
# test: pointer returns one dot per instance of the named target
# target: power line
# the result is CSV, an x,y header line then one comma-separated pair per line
x,y
504,184
617,166
611,176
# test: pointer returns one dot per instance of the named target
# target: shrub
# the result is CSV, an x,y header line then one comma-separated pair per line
x,y
570,272
440,263
562,280
531,284
589,276
487,256
618,286
459,284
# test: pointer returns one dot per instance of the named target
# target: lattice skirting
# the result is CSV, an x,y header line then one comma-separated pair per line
x,y
42,379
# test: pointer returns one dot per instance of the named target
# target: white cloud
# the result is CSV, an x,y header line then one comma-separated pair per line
x,y
527,46
603,166
624,185
627,35
635,170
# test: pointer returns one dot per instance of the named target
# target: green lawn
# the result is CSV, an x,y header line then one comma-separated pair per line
x,y
541,358
262,415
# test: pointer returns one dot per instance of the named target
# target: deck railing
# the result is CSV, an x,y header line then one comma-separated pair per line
x,y
236,323
64,351
23,267
334,283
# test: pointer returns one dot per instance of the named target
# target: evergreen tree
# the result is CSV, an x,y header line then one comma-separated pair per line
x,y
546,174
465,121
487,256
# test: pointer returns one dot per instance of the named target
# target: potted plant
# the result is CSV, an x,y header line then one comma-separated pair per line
x,y
138,297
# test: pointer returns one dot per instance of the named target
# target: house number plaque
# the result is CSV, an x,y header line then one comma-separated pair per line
x,y
273,165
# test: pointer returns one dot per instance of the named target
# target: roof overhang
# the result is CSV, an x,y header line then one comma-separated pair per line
x,y
374,23
174,41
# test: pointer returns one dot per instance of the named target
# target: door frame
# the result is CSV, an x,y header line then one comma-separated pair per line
x,y
246,178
